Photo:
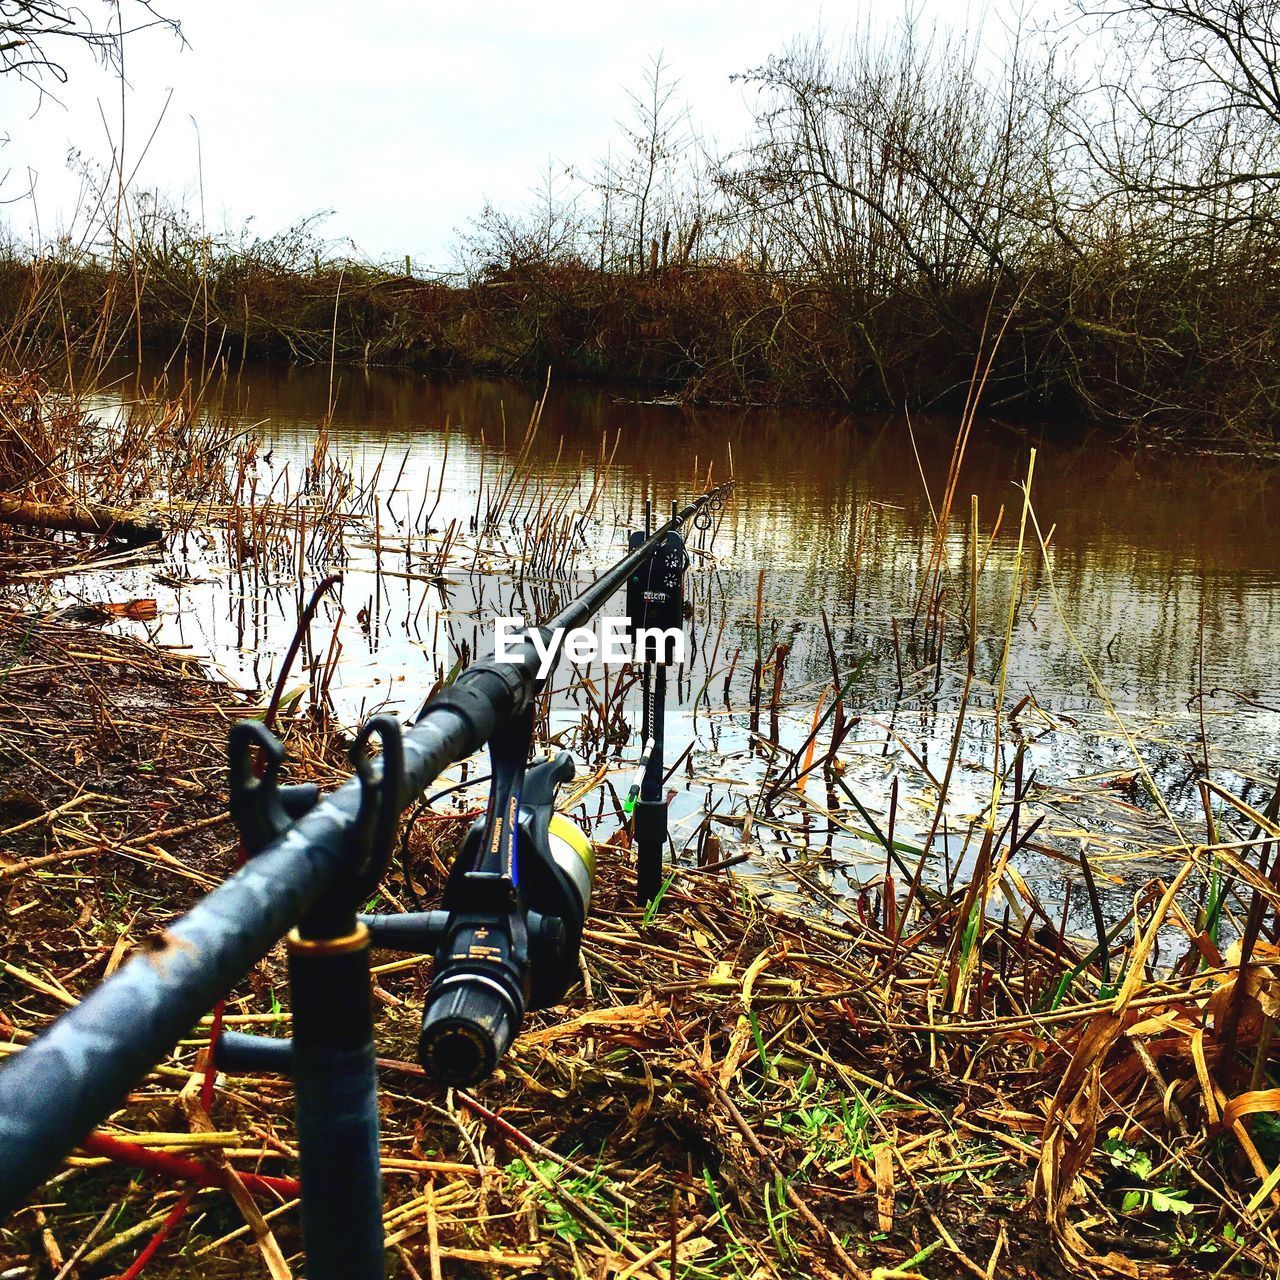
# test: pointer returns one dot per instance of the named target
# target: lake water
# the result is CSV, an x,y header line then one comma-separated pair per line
x,y
1159,597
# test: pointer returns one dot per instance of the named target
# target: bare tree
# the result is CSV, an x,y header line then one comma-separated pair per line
x,y
549,229
640,193
892,165
34,35
1186,113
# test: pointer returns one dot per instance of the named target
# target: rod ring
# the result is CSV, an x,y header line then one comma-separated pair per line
x,y
357,940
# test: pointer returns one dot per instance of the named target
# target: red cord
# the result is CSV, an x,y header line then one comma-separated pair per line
x,y
184,1167
210,1070
175,1216
198,1171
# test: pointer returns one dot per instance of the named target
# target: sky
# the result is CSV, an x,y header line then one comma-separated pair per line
x,y
402,117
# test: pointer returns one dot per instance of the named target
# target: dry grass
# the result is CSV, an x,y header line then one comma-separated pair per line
x,y
1171,356
747,1089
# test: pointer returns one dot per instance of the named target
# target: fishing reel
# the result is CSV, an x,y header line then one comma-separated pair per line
x,y
507,936
508,944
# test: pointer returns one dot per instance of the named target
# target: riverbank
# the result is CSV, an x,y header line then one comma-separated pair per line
x,y
735,1089
1037,349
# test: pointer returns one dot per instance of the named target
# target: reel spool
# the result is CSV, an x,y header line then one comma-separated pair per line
x,y
508,945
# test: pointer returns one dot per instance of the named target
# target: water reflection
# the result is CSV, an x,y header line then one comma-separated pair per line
x,y
1166,570
1145,548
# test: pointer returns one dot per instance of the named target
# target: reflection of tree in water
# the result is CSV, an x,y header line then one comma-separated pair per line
x,y
834,512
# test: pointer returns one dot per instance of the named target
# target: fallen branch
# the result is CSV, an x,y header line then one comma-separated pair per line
x,y
78,517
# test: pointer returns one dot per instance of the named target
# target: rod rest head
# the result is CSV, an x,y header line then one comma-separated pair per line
x,y
417,932
238,1053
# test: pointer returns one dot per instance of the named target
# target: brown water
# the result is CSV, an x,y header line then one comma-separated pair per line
x,y
1167,575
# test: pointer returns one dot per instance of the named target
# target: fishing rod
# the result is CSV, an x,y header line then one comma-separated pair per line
x,y
504,940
